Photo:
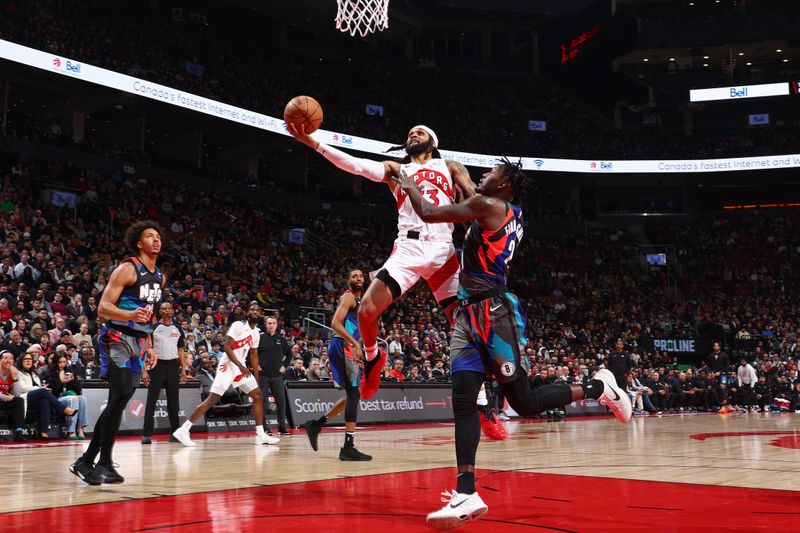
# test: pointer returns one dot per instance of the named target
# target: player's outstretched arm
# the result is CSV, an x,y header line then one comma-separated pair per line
x,y
372,170
461,177
481,208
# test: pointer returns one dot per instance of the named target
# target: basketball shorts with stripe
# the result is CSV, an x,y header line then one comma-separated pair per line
x,y
121,349
489,337
344,370
229,375
435,262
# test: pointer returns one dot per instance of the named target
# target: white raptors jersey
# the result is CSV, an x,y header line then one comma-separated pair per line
x,y
244,337
436,184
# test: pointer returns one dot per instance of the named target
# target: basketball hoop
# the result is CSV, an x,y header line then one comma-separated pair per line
x,y
362,16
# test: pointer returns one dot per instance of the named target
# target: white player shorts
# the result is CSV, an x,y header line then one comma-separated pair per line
x,y
228,375
434,261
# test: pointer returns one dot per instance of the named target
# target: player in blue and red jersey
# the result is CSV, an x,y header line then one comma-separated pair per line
x,y
345,354
489,332
125,343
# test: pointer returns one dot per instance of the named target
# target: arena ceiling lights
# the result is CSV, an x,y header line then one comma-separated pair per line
x,y
168,95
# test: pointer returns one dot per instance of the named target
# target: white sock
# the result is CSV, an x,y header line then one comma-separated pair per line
x,y
371,352
187,425
260,431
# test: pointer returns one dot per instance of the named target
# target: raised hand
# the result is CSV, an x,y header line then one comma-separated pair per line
x,y
301,135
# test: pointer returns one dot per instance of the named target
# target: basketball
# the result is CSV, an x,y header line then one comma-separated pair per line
x,y
303,110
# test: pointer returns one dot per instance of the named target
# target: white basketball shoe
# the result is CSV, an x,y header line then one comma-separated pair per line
x,y
614,397
458,509
182,434
266,439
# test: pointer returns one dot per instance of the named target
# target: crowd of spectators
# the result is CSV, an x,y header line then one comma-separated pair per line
x,y
580,292
216,59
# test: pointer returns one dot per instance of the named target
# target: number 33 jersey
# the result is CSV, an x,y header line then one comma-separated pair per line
x,y
436,183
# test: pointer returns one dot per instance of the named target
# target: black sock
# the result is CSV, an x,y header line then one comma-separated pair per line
x,y
593,389
321,421
465,483
349,439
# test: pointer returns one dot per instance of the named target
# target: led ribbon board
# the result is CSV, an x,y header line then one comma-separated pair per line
x,y
161,93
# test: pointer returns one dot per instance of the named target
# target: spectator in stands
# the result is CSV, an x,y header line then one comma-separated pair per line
x,y
76,308
58,307
325,370
83,335
58,329
80,368
24,267
296,372
14,343
5,312
313,372
398,372
36,397
67,388
414,375
9,402
439,372
205,374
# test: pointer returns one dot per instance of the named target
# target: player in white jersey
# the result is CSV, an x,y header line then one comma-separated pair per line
x,y
421,250
232,370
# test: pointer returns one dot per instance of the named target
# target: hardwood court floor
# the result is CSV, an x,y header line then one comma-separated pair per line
x,y
672,473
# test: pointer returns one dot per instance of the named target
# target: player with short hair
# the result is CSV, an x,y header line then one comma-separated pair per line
x,y
421,250
489,334
344,354
232,370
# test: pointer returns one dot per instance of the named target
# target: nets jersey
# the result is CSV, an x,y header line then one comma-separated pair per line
x,y
244,337
351,320
484,261
436,183
146,292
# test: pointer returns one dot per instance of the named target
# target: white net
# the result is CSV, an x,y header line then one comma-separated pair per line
x,y
362,16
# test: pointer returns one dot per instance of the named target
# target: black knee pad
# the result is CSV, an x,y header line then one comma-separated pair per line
x,y
390,282
351,409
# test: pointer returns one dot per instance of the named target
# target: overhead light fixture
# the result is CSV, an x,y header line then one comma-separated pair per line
x,y
706,57
748,64
672,59
785,60
741,54
646,60
779,50
705,64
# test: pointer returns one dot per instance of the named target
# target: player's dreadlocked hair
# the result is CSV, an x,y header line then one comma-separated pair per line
x,y
134,233
520,181
407,158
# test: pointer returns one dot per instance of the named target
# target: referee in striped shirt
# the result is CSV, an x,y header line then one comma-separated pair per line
x,y
168,373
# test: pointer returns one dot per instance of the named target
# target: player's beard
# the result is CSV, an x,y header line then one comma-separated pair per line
x,y
355,288
418,149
